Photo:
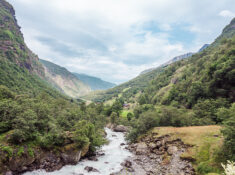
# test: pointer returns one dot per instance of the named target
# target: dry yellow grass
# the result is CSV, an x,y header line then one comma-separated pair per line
x,y
196,136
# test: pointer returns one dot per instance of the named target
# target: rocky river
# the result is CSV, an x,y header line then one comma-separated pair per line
x,y
150,156
109,161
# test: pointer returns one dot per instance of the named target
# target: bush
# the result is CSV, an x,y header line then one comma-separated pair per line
x,y
229,134
145,122
85,134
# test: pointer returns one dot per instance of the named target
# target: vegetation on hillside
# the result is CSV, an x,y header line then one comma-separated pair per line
x,y
48,122
193,91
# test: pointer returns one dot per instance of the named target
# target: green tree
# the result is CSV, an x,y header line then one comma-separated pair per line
x,y
114,117
129,116
229,134
85,134
24,127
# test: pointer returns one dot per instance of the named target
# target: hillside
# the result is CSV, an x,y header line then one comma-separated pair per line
x,y
196,91
23,66
94,82
63,80
208,74
20,69
177,58
37,122
12,46
126,90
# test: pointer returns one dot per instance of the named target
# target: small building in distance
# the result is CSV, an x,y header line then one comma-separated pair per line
x,y
126,105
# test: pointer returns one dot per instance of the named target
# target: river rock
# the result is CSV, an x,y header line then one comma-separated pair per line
x,y
121,128
93,158
172,150
152,145
71,157
141,148
90,169
127,164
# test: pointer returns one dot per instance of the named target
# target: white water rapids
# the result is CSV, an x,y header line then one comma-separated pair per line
x,y
107,164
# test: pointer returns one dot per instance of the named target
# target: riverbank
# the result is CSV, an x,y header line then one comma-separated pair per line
x,y
109,161
176,151
25,159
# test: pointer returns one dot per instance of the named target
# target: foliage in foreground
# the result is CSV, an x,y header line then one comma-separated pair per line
x,y
47,121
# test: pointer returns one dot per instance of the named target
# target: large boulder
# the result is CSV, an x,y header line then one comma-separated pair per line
x,y
71,157
120,128
141,148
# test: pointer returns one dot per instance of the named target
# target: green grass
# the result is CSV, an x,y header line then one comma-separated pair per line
x,y
125,112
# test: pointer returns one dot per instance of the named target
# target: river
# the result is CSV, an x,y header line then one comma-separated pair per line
x,y
106,164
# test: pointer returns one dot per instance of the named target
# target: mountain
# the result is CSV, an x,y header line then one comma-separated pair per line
x,y
37,122
166,76
205,75
20,68
203,47
12,45
24,67
177,58
63,80
94,82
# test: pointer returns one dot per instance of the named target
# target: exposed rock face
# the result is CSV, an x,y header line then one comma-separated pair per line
x,y
121,128
12,46
48,160
157,155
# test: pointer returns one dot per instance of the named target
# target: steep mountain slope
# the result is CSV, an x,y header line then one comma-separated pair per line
x,y
63,80
37,122
196,91
12,46
208,74
94,82
20,69
23,67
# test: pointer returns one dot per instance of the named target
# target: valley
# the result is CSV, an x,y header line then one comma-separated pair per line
x,y
175,119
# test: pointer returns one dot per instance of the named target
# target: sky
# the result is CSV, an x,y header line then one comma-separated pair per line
x,y
117,39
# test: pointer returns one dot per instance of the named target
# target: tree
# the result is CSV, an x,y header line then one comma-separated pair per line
x,y
113,117
145,122
129,116
24,127
85,134
229,134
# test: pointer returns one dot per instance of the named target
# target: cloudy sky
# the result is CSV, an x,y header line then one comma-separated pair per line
x,y
117,39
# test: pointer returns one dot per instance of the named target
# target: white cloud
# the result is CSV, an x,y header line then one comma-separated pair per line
x,y
227,13
110,39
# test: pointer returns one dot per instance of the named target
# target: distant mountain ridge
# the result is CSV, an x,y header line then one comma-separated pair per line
x,y
203,47
94,82
63,80
177,58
